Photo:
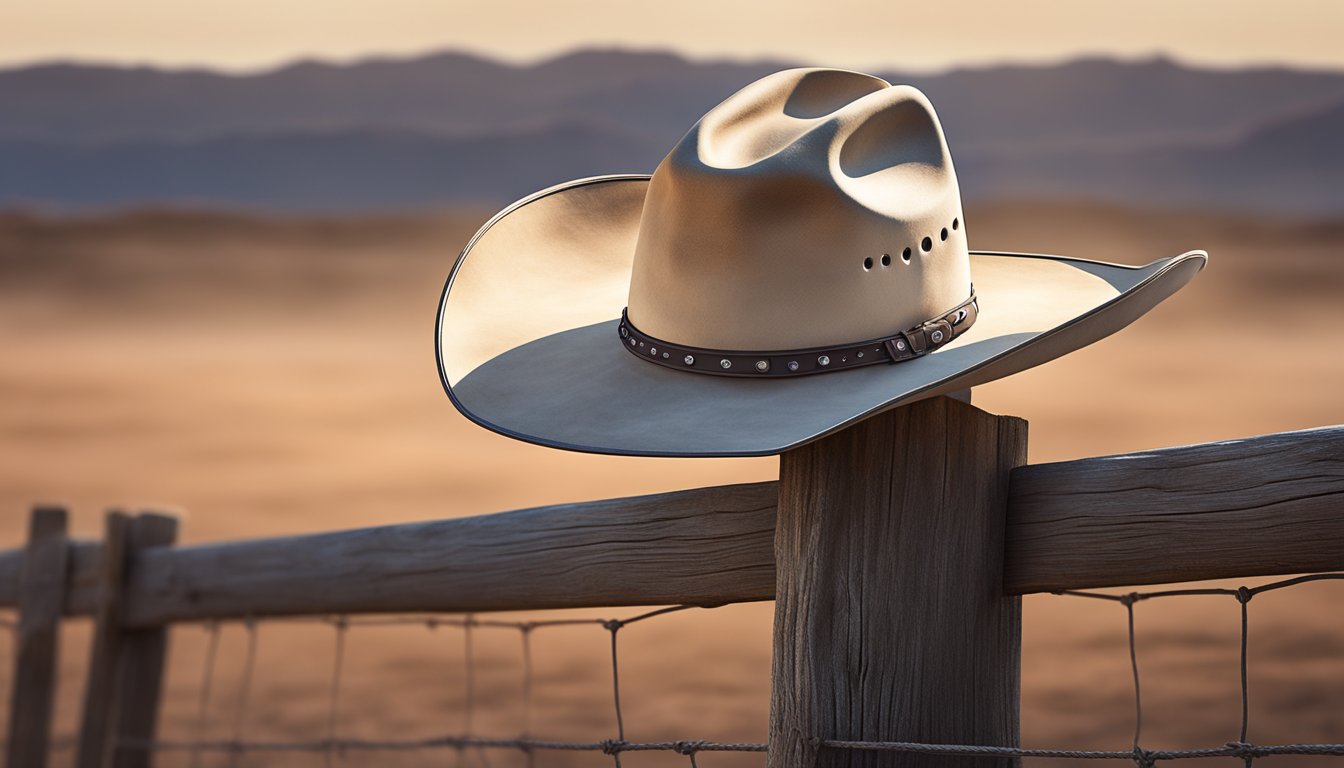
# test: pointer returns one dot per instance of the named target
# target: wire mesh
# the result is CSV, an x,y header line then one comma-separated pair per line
x,y
334,746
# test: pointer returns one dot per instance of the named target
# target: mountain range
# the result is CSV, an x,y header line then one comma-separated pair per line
x,y
454,128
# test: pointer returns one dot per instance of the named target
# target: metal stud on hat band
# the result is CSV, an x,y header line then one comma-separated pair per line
x,y
906,345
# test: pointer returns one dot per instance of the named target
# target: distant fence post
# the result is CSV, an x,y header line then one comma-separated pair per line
x,y
42,592
143,652
101,683
125,666
890,618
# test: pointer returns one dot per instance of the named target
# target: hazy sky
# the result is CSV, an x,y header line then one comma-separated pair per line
x,y
247,34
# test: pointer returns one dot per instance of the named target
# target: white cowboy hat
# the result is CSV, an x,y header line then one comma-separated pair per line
x,y
798,262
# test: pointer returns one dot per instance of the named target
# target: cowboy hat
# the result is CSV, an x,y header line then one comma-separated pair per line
x,y
797,262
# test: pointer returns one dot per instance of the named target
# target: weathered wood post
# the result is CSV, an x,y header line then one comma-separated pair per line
x,y
40,603
125,678
143,654
890,618
103,679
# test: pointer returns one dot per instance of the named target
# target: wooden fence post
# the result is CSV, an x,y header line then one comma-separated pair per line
x,y
125,676
41,595
102,681
890,618
143,652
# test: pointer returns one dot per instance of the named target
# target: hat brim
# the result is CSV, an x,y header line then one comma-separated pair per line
x,y
527,343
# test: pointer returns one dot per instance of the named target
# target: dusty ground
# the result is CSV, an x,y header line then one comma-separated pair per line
x,y
269,376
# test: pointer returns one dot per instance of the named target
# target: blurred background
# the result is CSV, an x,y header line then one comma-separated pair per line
x,y
224,228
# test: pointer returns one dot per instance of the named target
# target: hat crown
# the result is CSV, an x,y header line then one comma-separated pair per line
x,y
813,207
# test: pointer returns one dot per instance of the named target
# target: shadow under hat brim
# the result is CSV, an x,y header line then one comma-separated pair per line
x,y
528,347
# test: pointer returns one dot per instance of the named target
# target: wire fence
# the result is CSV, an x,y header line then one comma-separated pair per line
x,y
1141,756
334,746
466,741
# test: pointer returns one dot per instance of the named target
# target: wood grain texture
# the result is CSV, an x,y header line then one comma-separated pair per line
x,y
1258,506
698,547
1254,507
143,652
41,589
891,623
102,684
84,560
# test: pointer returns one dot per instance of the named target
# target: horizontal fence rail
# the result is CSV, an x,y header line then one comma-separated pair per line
x,y
1253,507
1259,506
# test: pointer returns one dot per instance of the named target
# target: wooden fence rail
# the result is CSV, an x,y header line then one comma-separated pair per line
x,y
1253,507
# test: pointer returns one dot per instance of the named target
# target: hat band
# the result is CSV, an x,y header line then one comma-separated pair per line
x,y
906,345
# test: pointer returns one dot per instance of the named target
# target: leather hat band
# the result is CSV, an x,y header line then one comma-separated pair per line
x,y
906,345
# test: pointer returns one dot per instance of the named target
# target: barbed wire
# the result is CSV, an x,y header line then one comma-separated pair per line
x,y
334,746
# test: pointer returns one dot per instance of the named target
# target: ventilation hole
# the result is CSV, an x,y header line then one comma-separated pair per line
x,y
927,244
905,255
868,263
943,235
956,223
886,259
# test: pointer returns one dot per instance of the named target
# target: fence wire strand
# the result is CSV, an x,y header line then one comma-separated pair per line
x,y
334,746
338,664
525,632
244,687
207,682
1134,667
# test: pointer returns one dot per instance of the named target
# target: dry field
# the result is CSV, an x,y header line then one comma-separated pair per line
x,y
269,376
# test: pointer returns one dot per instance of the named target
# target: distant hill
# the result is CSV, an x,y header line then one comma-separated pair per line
x,y
447,93
455,127
1293,165
315,170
